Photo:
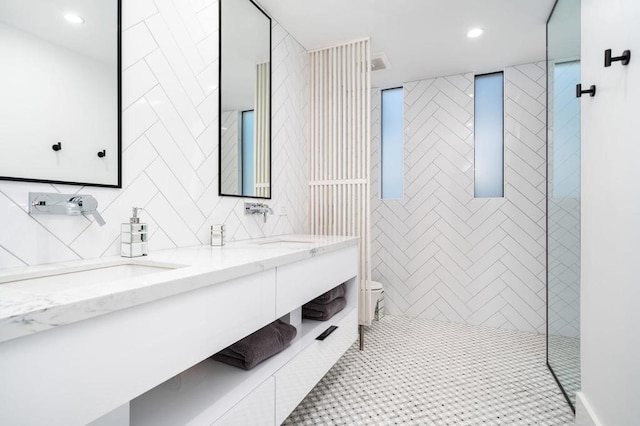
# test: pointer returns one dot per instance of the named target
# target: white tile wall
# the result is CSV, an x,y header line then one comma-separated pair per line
x,y
170,145
442,254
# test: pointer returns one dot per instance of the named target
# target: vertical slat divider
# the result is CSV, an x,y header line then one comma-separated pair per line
x,y
332,111
315,137
363,144
316,147
340,75
339,125
316,164
315,85
347,144
368,169
323,142
334,133
349,112
358,109
340,81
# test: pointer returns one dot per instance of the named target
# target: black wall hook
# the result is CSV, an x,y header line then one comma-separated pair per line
x,y
625,58
102,153
580,92
57,146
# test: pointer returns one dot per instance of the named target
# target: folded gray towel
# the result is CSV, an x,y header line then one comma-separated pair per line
x,y
256,347
331,295
323,311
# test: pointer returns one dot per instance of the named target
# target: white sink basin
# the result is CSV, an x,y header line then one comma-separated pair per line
x,y
74,277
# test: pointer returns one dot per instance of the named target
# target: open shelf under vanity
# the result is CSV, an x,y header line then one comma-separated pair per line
x,y
212,392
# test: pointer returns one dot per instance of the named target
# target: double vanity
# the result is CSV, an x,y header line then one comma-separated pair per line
x,y
116,341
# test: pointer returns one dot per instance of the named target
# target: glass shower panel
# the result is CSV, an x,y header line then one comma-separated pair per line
x,y
563,196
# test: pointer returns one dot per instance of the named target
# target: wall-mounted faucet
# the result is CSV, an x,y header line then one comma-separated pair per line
x,y
64,204
258,208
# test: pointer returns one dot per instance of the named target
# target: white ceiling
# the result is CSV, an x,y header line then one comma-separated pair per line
x,y
422,38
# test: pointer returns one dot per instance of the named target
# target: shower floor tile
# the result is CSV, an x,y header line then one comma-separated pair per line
x,y
420,372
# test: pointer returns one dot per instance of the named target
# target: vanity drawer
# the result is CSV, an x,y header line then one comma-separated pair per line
x,y
301,374
303,281
256,409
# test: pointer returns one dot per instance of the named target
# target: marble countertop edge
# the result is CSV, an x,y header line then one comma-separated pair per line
x,y
25,312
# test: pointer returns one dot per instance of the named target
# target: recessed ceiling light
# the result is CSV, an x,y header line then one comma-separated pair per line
x,y
475,32
73,18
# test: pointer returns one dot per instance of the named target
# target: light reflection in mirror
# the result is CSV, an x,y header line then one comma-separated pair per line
x,y
60,104
245,86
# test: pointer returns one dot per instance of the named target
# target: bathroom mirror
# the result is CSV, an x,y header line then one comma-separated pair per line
x,y
245,100
563,196
60,85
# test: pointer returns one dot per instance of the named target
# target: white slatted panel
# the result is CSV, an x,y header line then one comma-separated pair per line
x,y
339,151
262,135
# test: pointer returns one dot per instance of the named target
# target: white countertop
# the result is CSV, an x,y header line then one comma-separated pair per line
x,y
25,311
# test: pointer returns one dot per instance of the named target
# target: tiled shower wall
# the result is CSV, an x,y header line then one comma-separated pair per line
x,y
440,253
170,145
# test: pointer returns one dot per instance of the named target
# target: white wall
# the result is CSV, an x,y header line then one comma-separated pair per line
x,y
442,254
610,307
52,94
170,145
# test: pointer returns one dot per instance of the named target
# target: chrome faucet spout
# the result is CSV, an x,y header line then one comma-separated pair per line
x,y
96,216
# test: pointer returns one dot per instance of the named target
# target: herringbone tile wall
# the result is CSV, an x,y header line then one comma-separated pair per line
x,y
170,145
442,254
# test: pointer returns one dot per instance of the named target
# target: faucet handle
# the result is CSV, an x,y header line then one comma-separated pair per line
x,y
87,205
85,202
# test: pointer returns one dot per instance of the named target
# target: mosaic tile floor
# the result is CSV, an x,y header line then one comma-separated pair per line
x,y
421,372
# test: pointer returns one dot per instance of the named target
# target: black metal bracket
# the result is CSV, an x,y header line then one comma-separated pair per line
x,y
624,59
580,92
102,153
57,146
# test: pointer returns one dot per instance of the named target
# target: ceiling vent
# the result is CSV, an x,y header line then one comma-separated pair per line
x,y
379,61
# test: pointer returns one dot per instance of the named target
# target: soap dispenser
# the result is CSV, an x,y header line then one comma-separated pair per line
x,y
133,237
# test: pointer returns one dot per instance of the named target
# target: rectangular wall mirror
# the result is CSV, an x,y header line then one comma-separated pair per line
x,y
60,85
245,100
